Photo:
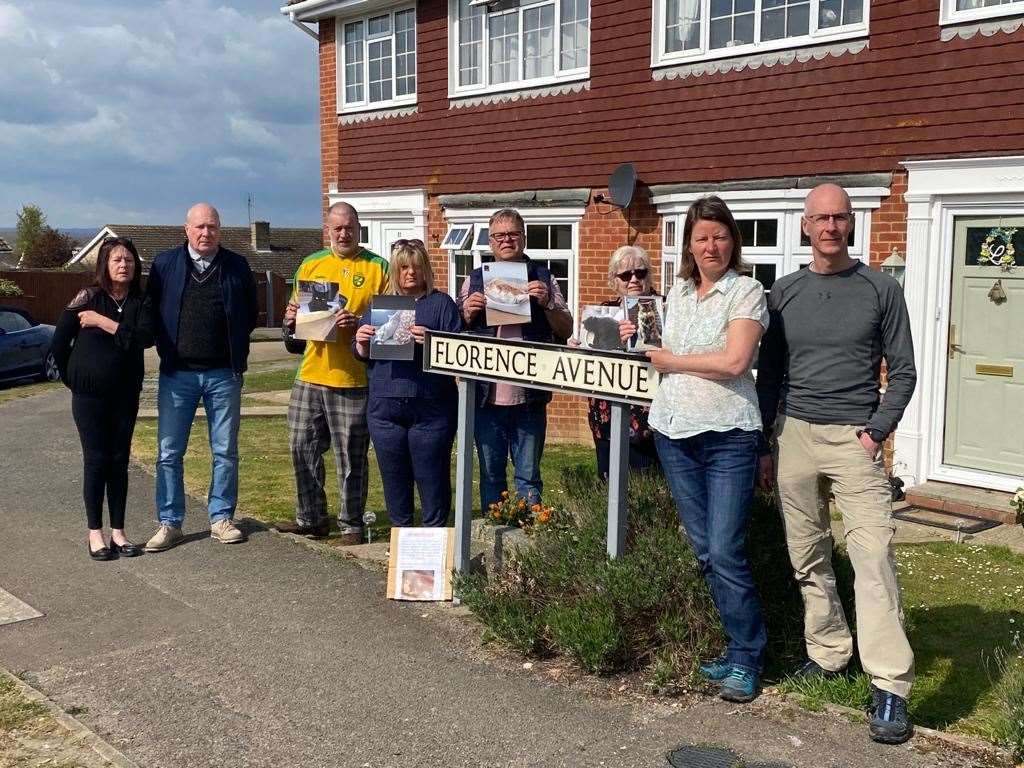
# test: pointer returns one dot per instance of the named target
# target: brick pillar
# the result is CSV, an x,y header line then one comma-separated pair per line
x,y
889,223
329,128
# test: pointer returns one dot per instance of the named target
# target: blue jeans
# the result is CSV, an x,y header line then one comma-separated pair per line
x,y
712,480
413,440
220,391
518,430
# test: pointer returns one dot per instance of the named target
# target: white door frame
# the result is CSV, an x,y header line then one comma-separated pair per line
x,y
937,192
385,205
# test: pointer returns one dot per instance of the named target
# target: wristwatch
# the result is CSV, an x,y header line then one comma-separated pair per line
x,y
875,434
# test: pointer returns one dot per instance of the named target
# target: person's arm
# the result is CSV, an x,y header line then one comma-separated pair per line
x,y
741,337
898,351
362,339
469,305
64,335
771,365
557,312
136,331
293,345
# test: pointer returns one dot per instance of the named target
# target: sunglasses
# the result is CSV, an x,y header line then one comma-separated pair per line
x,y
401,242
641,274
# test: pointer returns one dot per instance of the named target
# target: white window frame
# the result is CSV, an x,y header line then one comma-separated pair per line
x,y
560,75
785,205
660,57
365,105
479,217
948,13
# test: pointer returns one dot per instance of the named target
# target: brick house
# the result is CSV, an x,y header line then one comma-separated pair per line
x,y
436,112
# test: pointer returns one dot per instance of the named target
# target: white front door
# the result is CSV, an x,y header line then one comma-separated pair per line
x,y
984,421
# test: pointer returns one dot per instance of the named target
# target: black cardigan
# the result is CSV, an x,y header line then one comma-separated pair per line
x,y
94,362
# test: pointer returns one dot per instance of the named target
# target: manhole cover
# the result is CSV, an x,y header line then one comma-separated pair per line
x,y
703,757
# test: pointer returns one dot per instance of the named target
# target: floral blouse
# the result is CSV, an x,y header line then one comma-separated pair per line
x,y
686,405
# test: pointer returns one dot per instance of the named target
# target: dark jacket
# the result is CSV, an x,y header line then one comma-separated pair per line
x,y
166,285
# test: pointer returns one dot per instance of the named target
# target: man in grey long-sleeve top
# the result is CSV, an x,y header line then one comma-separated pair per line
x,y
818,386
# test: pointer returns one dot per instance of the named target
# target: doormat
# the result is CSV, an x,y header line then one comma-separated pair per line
x,y
946,520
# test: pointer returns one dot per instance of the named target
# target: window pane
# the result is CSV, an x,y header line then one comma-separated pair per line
x,y
471,43
732,23
682,25
539,41
354,62
536,236
767,233
379,61
575,33
765,274
405,52
379,25
993,244
462,265
746,231
504,47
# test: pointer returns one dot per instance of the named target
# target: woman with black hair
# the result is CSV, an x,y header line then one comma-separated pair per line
x,y
98,345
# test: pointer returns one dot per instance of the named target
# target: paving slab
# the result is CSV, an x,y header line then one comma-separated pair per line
x,y
271,653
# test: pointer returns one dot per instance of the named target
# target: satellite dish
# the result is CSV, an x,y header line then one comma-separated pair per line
x,y
621,184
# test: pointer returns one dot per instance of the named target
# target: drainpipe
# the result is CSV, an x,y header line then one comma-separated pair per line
x,y
303,27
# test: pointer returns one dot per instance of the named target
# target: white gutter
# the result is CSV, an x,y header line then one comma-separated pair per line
x,y
312,33
314,10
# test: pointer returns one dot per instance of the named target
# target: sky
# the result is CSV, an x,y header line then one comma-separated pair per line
x,y
128,111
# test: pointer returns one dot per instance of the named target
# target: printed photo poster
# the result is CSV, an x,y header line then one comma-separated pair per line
x,y
420,564
393,317
319,302
646,313
599,327
508,301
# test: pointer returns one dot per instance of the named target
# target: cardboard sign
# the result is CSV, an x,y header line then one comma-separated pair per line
x,y
611,375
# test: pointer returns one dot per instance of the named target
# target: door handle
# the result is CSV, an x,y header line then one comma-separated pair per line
x,y
953,346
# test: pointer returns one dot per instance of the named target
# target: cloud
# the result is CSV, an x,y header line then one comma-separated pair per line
x,y
131,111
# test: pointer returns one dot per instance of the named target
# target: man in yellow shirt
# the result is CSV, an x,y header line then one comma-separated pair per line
x,y
328,402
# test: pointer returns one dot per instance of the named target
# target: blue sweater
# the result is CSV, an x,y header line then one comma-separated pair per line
x,y
406,378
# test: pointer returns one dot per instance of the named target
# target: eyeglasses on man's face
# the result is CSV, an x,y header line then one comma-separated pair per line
x,y
499,237
640,274
821,219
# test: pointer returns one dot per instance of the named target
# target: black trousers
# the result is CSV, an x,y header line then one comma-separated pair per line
x,y
105,426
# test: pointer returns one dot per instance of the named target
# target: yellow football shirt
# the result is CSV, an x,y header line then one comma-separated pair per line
x,y
359,278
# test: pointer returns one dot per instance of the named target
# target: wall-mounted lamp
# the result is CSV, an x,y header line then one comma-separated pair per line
x,y
895,266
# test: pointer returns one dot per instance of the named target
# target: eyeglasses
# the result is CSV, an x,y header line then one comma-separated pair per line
x,y
823,218
503,236
641,274
401,242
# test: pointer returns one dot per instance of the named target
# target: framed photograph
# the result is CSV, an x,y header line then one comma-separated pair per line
x,y
319,302
393,317
599,327
646,313
508,301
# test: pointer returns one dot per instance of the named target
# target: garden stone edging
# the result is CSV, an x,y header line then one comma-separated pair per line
x,y
496,541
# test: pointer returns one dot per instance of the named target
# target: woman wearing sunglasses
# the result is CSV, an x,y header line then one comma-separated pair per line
x,y
98,346
707,425
412,415
629,274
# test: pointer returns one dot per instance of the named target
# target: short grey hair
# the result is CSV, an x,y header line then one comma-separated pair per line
x,y
343,208
507,214
632,253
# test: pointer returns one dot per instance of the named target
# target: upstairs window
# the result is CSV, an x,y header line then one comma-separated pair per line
x,y
510,44
378,61
961,11
708,29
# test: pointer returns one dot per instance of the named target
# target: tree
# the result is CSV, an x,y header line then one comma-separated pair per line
x,y
31,223
51,249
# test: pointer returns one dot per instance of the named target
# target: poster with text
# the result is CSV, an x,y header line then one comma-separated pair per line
x,y
419,567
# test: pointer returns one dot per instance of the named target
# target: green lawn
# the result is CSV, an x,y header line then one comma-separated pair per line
x,y
10,392
273,380
267,483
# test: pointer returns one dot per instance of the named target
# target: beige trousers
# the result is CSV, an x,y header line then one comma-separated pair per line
x,y
806,454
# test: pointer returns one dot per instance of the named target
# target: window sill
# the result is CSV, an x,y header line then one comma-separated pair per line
x,y
518,89
577,85
966,28
380,106
363,116
755,60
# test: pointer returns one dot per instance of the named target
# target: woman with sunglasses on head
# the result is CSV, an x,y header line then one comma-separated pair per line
x,y
629,274
98,345
411,414
707,426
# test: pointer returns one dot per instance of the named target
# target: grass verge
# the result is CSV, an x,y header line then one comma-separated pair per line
x,y
273,380
15,709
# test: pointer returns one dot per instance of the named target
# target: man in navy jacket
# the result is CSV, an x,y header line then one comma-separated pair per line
x,y
204,297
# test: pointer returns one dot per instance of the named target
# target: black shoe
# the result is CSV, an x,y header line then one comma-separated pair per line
x,y
889,723
812,670
318,531
103,553
126,550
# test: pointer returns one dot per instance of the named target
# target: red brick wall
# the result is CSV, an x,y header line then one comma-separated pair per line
x,y
329,133
889,223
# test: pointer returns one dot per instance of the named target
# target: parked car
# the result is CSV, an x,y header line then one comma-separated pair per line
x,y
25,347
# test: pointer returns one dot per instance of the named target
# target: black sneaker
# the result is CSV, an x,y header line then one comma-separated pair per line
x,y
318,531
812,670
889,722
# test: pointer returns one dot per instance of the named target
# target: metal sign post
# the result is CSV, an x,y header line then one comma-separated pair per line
x,y
619,377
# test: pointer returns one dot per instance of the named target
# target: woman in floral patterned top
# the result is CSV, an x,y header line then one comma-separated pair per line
x,y
706,425
629,274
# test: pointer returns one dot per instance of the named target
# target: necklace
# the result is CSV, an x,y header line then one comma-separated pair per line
x,y
119,305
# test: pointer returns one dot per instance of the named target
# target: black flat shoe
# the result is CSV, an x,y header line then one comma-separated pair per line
x,y
100,554
126,550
